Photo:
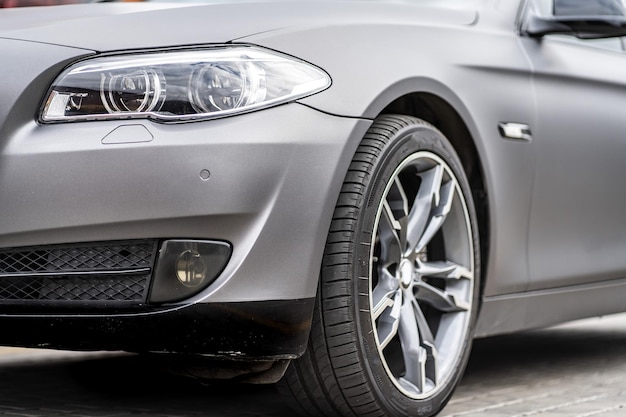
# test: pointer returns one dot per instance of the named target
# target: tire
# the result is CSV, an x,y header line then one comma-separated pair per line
x,y
399,286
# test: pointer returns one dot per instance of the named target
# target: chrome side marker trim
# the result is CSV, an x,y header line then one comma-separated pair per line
x,y
515,131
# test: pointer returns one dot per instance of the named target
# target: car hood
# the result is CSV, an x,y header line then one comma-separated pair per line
x,y
117,26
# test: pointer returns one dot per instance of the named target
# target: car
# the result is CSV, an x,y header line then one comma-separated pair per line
x,y
335,196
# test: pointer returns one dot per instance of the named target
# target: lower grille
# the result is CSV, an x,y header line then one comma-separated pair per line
x,y
110,272
74,288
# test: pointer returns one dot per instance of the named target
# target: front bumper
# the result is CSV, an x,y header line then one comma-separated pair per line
x,y
274,179
264,182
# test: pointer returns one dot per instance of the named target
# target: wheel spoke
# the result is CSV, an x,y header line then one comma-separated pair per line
x,y
388,323
388,229
428,341
443,269
397,199
438,215
439,299
422,323
384,293
420,215
414,355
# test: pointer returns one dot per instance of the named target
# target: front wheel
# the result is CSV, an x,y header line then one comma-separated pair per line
x,y
398,293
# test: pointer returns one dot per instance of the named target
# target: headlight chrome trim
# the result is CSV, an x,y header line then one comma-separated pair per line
x,y
179,85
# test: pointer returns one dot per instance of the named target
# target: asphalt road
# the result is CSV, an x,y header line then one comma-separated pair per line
x,y
576,370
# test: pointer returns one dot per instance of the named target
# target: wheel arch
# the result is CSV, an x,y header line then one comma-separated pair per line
x,y
438,111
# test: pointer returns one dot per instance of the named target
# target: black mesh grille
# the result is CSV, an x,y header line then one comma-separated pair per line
x,y
89,273
83,258
74,288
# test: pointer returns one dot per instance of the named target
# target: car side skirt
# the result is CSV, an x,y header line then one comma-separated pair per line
x,y
542,308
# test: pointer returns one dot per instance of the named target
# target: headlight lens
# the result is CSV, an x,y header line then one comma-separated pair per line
x,y
180,85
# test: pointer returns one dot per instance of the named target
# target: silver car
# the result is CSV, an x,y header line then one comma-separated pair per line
x,y
340,195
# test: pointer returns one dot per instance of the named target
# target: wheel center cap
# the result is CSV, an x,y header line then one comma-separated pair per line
x,y
407,271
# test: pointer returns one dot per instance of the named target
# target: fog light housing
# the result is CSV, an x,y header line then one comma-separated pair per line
x,y
186,267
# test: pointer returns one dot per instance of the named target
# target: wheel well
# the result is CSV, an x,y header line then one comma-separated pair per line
x,y
444,117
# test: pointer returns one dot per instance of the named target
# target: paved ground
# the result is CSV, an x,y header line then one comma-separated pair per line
x,y
577,370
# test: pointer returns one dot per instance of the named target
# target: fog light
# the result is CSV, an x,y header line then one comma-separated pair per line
x,y
190,268
186,267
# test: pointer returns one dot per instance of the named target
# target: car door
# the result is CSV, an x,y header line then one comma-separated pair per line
x,y
577,230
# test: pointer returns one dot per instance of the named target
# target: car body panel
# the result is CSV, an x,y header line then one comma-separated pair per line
x,y
580,167
139,26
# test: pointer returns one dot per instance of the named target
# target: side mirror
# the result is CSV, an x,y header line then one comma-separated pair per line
x,y
585,19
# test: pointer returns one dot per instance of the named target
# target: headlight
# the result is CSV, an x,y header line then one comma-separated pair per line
x,y
179,85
